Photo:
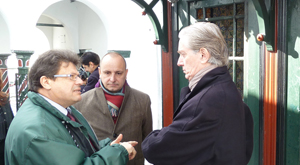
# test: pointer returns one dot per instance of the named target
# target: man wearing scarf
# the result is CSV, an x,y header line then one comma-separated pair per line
x,y
211,125
114,108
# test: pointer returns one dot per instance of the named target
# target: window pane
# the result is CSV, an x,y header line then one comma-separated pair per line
x,y
240,76
200,13
218,15
226,27
240,9
240,37
226,10
239,73
230,67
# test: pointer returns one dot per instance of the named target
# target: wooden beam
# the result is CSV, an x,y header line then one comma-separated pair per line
x,y
167,75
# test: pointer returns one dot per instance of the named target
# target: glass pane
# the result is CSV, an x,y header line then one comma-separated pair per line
x,y
240,76
226,27
200,14
226,10
240,9
239,73
209,13
230,68
240,37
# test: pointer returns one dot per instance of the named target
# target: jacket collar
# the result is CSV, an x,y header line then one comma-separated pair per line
x,y
84,127
217,75
40,101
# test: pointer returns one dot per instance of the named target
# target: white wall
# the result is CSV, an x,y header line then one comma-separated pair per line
x,y
127,29
67,14
99,25
4,36
92,32
82,27
48,31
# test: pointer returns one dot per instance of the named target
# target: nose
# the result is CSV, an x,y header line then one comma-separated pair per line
x,y
112,77
180,61
79,81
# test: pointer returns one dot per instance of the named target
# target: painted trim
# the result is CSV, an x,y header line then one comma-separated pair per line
x,y
160,31
175,55
266,21
271,94
282,81
270,109
167,75
124,53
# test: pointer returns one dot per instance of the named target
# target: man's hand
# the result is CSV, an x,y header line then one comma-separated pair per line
x,y
129,146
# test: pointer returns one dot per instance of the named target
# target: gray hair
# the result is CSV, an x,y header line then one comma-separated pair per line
x,y
206,35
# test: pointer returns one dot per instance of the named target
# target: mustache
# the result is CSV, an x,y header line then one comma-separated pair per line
x,y
112,83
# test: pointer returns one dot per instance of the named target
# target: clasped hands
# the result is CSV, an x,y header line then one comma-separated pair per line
x,y
129,146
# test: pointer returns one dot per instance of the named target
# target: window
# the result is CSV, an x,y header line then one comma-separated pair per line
x,y
230,19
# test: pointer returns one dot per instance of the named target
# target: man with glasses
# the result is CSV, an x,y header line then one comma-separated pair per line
x,y
48,130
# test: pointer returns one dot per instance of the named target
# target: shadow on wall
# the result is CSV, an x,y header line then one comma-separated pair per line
x,y
293,34
253,103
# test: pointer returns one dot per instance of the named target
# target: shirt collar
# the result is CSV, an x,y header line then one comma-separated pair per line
x,y
57,106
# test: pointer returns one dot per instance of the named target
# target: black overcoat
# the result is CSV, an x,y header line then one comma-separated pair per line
x,y
211,126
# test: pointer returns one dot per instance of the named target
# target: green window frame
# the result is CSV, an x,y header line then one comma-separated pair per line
x,y
229,16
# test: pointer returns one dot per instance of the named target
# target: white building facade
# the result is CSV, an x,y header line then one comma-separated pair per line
x,y
95,25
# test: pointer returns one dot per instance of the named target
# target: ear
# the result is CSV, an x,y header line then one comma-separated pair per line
x,y
204,54
45,82
99,70
91,64
126,73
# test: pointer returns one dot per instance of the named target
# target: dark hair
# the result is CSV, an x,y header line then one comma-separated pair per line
x,y
48,64
90,57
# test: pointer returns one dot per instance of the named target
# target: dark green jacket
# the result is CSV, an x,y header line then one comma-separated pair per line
x,y
38,135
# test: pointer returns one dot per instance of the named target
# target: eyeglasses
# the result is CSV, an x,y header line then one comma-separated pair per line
x,y
71,76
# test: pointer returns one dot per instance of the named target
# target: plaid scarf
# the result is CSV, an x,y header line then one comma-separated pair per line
x,y
114,101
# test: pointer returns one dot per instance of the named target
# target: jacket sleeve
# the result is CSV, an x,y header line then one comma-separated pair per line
x,y
147,123
185,137
92,81
162,147
45,151
105,142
